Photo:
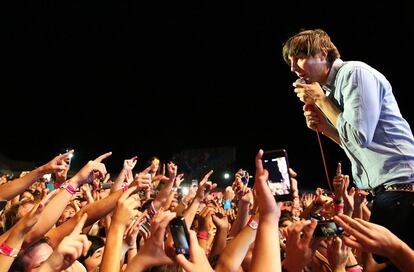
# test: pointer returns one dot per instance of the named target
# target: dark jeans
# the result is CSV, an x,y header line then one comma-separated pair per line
x,y
395,211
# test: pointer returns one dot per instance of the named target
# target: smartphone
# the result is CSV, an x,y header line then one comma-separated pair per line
x,y
327,228
245,178
194,183
277,164
180,236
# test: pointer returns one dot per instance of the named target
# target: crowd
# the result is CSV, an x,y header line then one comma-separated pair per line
x,y
81,224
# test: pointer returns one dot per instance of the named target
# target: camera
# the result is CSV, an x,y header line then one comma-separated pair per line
x,y
277,164
180,236
327,228
245,177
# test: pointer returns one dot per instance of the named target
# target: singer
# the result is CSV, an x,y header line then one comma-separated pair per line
x,y
353,104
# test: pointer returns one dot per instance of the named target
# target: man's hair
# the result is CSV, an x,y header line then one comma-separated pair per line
x,y
310,43
20,262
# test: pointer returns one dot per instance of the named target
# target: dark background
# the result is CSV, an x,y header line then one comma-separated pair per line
x,y
158,77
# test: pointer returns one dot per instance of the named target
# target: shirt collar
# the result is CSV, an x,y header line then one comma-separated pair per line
x,y
330,83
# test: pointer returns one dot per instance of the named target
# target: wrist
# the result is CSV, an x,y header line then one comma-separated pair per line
x,y
69,188
202,234
7,250
252,223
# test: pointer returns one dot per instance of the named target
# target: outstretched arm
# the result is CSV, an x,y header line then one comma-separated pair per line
x,y
11,189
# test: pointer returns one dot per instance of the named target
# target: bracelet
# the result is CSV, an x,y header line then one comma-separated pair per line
x,y
339,207
69,188
7,250
203,235
253,223
124,187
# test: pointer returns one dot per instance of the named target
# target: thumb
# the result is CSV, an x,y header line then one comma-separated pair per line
x,y
186,264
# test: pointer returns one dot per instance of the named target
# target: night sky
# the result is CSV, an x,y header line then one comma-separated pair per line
x,y
158,77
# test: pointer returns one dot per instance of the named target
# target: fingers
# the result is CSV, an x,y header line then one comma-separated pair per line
x,y
259,163
102,157
206,177
308,231
127,193
339,169
353,227
193,243
295,233
79,226
186,264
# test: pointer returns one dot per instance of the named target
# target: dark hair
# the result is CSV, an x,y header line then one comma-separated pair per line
x,y
96,243
310,43
10,215
19,263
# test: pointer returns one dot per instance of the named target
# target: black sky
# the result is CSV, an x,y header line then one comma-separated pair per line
x,y
152,78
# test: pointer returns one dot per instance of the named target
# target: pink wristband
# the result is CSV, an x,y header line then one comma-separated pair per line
x,y
124,187
7,250
69,188
203,235
339,207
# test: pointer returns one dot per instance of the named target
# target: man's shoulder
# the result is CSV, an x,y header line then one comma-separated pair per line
x,y
351,69
355,65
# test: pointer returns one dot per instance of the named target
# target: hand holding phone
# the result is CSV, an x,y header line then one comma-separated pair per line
x,y
277,164
327,228
180,236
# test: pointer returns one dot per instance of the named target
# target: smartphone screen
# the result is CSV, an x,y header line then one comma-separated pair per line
x,y
180,236
276,163
327,229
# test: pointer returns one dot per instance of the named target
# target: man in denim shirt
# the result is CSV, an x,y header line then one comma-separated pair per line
x,y
353,104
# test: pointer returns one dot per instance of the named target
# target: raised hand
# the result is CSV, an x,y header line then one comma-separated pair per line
x,y
265,200
152,252
142,181
178,180
205,186
92,169
338,253
128,167
126,209
198,261
298,245
59,165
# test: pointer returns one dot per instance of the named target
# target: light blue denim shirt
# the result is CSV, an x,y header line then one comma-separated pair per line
x,y
376,138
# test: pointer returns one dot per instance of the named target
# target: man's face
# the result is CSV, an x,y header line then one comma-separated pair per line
x,y
311,69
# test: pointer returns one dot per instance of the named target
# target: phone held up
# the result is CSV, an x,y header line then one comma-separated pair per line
x,y
327,228
277,164
180,236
